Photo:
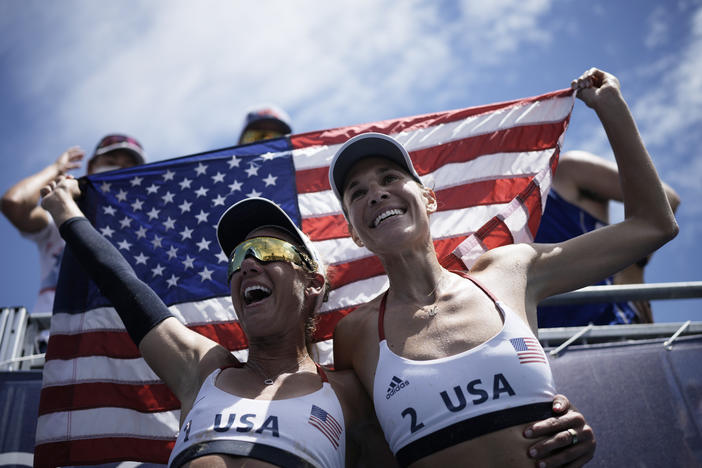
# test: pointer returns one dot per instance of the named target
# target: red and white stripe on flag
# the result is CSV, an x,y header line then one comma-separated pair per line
x,y
490,167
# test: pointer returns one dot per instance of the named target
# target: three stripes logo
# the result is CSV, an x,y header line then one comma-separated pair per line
x,y
396,384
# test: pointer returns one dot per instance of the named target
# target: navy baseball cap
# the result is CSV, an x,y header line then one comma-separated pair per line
x,y
269,114
252,213
366,145
117,141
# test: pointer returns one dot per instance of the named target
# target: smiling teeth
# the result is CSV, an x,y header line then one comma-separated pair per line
x,y
384,215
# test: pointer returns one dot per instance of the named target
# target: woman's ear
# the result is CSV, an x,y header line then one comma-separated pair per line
x,y
429,199
316,288
354,236
316,284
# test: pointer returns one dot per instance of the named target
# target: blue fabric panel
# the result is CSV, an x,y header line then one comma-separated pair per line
x,y
643,402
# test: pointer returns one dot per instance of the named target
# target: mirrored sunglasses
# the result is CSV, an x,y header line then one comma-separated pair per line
x,y
252,135
268,249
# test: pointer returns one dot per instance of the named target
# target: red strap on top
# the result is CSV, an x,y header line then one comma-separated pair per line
x,y
381,315
383,301
477,283
322,374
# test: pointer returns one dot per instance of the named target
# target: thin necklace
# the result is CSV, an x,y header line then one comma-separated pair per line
x,y
433,308
267,380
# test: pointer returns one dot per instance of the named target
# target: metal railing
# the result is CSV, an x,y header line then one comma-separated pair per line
x,y
19,330
566,336
13,327
627,292
560,338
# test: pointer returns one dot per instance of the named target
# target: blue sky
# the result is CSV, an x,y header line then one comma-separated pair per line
x,y
179,75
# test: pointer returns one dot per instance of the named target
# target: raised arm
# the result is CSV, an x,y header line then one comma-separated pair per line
x,y
178,355
649,222
20,202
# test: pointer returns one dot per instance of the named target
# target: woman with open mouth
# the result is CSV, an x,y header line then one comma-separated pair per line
x,y
279,408
451,360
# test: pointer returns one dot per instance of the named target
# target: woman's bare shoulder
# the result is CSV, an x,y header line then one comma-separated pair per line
x,y
510,257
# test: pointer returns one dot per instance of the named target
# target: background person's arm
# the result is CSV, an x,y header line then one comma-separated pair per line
x,y
20,202
590,182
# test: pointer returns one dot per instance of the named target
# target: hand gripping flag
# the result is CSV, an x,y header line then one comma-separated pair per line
x,y
491,169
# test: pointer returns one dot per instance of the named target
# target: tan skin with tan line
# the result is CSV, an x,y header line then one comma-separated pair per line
x,y
520,275
275,330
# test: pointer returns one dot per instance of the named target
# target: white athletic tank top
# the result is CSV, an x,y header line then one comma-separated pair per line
x,y
426,406
306,431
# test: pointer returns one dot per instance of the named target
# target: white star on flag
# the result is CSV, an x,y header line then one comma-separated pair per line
x,y
270,180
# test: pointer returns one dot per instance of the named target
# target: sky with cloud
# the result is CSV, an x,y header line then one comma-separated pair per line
x,y
179,76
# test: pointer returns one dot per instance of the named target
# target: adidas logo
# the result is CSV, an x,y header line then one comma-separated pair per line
x,y
396,384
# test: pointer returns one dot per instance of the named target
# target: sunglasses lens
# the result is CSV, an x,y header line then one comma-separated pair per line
x,y
266,249
250,136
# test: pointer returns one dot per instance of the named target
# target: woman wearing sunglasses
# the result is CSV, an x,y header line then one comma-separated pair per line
x,y
470,376
279,408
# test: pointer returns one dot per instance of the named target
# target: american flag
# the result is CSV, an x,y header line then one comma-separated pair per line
x,y
528,350
326,423
491,169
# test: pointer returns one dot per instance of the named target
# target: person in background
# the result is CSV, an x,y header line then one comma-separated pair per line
x,y
578,203
263,123
20,204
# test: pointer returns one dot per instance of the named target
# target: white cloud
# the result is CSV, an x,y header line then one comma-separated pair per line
x,y
501,26
671,111
658,28
590,137
670,116
686,178
178,76
665,96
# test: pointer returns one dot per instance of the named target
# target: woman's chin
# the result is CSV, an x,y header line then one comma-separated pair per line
x,y
395,239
